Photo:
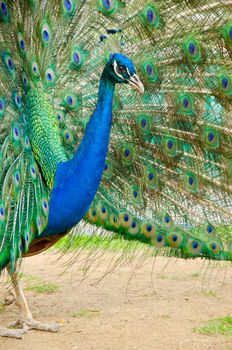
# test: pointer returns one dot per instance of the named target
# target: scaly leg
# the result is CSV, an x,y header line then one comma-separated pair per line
x,y
26,321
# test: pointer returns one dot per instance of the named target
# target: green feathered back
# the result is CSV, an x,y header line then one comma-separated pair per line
x,y
167,178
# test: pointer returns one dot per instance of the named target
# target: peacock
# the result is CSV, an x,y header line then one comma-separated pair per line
x,y
157,77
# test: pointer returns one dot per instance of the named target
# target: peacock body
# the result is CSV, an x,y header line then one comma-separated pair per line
x,y
165,176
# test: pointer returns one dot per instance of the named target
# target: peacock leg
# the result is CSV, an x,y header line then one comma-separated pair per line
x,y
26,321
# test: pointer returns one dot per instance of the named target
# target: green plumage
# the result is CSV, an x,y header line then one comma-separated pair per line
x,y
43,133
167,178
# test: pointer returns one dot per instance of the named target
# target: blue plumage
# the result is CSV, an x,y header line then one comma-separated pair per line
x,y
77,180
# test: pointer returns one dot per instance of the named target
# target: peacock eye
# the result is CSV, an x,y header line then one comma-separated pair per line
x,y
121,69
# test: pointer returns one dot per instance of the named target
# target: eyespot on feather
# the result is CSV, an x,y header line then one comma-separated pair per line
x,y
151,16
125,219
175,239
108,7
158,240
148,229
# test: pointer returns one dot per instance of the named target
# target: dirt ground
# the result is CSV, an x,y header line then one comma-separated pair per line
x,y
147,305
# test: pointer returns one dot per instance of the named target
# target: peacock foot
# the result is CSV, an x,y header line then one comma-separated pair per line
x,y
26,321
25,325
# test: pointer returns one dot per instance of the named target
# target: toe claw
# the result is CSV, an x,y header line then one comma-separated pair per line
x,y
11,333
47,327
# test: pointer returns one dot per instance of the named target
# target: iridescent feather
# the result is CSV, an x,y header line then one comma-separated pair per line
x,y
167,176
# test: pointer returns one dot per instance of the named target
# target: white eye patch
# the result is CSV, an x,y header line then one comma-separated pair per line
x,y
116,71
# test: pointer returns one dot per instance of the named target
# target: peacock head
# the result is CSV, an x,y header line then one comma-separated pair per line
x,y
120,69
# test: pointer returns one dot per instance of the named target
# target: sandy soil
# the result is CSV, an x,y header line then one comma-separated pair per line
x,y
141,305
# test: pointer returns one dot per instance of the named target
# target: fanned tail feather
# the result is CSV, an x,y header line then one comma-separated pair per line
x,y
173,145
167,178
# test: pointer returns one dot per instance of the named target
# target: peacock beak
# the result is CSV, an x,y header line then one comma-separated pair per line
x,y
135,82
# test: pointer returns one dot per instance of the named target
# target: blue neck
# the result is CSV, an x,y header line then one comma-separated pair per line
x,y
77,180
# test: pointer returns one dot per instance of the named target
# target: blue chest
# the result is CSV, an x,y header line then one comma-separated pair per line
x,y
77,180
